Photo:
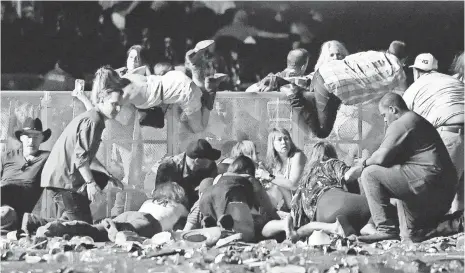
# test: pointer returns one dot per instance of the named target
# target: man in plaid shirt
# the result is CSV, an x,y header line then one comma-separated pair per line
x,y
359,78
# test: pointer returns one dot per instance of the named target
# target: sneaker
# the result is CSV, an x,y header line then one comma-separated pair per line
x,y
378,236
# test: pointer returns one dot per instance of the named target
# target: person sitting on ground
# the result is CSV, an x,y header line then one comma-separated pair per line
x,y
359,78
188,168
244,147
323,201
161,213
411,165
439,98
284,165
229,202
297,62
21,170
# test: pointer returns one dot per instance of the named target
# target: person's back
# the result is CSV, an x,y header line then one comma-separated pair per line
x,y
62,162
364,76
437,97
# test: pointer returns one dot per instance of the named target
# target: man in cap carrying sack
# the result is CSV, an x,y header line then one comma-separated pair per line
x,y
20,173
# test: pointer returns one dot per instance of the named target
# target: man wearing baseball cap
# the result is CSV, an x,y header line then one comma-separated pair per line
x,y
188,169
439,98
21,171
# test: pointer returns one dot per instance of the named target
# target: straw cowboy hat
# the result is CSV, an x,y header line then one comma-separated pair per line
x,y
33,125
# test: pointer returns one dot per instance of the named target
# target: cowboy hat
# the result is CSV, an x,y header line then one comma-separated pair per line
x,y
33,125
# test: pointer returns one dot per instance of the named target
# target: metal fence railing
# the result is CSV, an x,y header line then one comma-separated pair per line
x,y
133,149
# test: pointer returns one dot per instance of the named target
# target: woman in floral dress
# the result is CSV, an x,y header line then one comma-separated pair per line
x,y
322,201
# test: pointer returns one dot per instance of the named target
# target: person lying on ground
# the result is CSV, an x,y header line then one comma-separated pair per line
x,y
360,78
322,200
161,213
230,200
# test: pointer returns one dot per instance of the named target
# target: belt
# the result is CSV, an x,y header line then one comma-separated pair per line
x,y
452,128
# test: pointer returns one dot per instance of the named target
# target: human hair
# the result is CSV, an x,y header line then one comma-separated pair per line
x,y
242,165
170,192
105,82
241,17
162,68
398,49
457,66
245,147
297,58
324,52
393,99
272,158
322,151
141,53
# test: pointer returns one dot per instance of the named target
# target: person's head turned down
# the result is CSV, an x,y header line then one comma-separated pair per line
x,y
391,107
398,49
321,152
170,192
244,147
107,91
331,50
242,165
297,61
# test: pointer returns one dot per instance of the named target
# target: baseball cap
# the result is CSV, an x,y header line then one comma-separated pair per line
x,y
205,184
425,62
202,149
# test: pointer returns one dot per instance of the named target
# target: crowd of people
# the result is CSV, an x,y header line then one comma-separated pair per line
x,y
408,183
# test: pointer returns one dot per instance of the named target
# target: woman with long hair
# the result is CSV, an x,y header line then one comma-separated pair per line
x,y
331,50
285,163
322,201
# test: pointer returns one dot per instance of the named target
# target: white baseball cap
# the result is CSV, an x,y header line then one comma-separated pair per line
x,y
425,62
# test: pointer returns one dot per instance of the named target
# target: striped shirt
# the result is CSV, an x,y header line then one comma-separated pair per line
x,y
364,77
195,216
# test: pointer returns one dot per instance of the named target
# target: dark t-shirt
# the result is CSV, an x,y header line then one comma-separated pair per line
x,y
420,151
13,171
77,145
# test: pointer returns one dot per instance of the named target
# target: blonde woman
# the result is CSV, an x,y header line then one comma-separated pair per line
x,y
244,147
330,50
285,163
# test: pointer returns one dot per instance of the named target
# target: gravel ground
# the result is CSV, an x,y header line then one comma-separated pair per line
x,y
444,254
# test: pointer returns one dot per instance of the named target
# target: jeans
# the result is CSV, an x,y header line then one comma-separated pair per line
x,y
29,196
416,210
75,206
318,107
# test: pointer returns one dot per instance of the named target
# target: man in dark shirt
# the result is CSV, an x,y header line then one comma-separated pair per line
x,y
187,169
21,169
68,171
411,165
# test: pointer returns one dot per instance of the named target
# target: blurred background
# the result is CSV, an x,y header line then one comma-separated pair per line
x,y
72,39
